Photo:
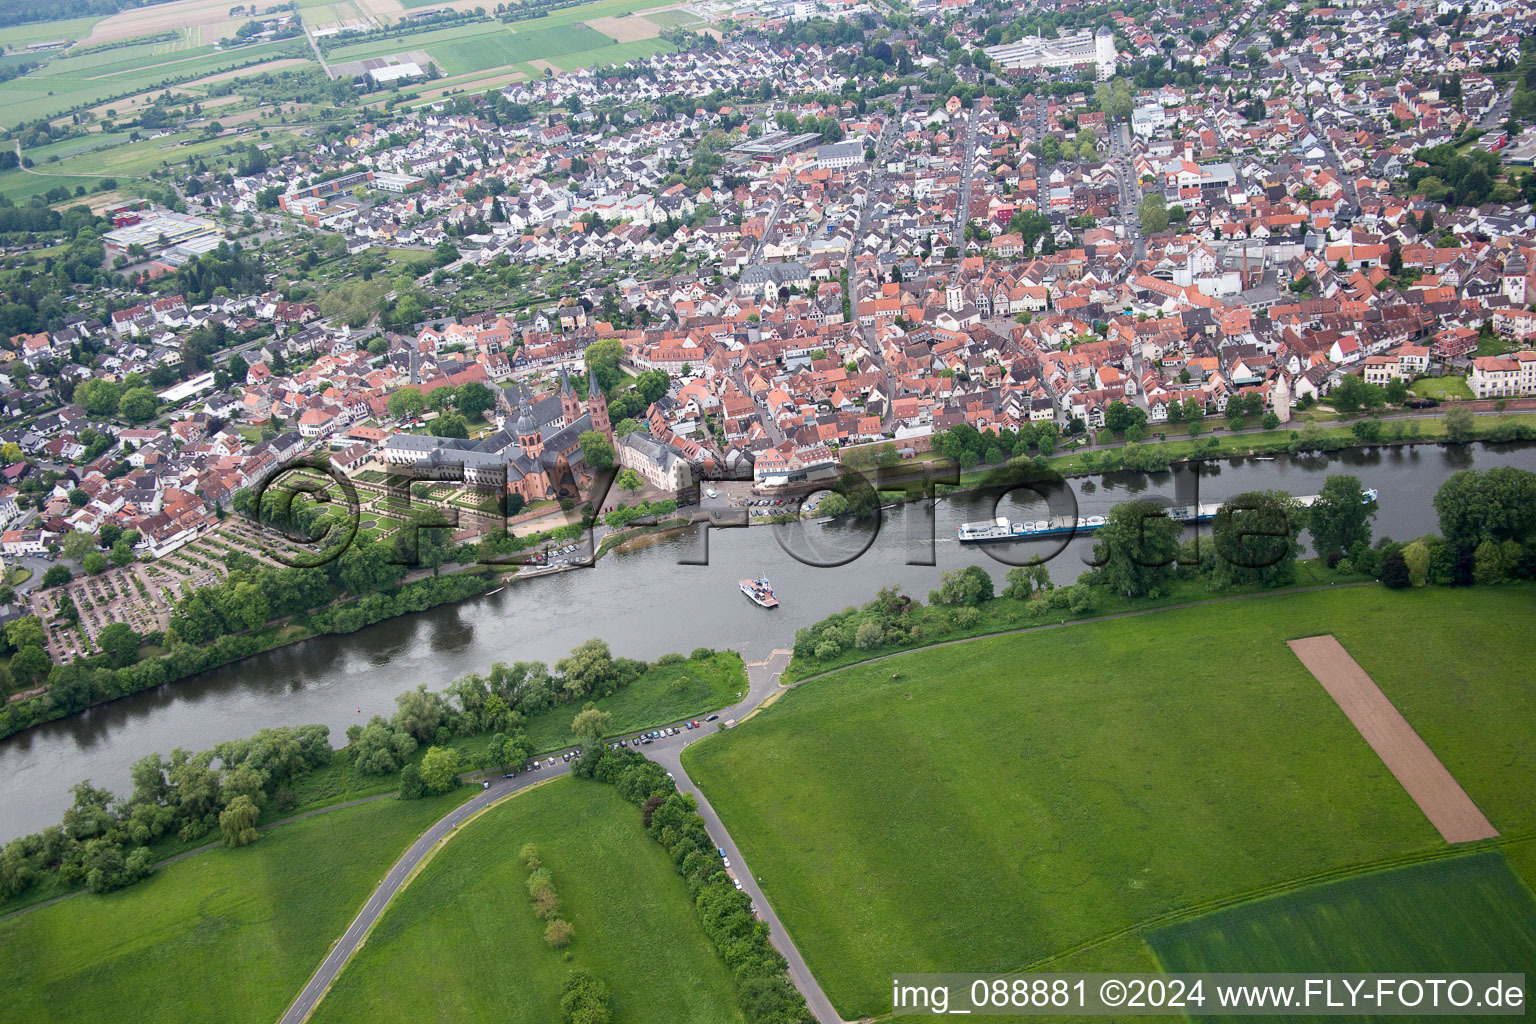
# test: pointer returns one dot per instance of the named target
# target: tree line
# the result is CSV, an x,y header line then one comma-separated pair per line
x,y
1487,537
672,819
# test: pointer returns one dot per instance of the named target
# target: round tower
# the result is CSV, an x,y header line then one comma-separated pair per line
x,y
527,428
1104,54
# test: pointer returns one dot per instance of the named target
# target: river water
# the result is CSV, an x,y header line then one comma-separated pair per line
x,y
644,603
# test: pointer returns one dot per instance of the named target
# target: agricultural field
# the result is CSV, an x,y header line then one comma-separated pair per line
x,y
1160,766
462,942
604,32
67,82
1460,914
18,37
249,924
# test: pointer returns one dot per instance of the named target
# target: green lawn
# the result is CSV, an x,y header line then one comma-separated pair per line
x,y
461,943
1450,386
663,696
223,937
1020,798
1461,914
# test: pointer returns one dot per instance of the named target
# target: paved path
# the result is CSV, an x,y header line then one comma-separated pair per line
x,y
392,882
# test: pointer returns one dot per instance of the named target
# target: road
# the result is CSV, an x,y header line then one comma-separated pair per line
x,y
762,682
967,173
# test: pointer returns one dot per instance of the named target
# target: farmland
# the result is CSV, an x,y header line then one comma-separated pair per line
x,y
1073,805
248,924
462,943
66,82
1460,914
486,46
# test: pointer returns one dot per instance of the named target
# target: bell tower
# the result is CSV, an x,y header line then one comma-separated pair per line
x,y
528,436
570,402
597,407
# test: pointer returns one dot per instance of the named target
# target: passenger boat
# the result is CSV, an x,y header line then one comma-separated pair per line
x,y
1002,528
760,593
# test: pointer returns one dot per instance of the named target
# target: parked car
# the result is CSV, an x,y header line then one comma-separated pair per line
x,y
711,718
726,861
485,784
510,775
720,850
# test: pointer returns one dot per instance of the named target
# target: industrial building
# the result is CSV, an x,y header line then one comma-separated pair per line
x,y
1062,52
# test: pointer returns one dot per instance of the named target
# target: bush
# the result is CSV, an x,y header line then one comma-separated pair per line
x,y
671,659
968,586
1394,571
967,617
868,635
558,934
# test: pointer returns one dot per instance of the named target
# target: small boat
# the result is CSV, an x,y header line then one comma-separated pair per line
x,y
759,592
493,593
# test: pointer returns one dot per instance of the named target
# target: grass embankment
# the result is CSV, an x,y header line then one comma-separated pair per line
x,y
1043,795
226,936
1004,614
461,942
663,696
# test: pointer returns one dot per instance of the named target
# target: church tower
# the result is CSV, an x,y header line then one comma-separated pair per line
x,y
528,436
570,402
597,407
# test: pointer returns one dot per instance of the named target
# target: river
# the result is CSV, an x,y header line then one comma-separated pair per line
x,y
644,603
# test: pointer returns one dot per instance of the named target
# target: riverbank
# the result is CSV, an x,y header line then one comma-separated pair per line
x,y
661,594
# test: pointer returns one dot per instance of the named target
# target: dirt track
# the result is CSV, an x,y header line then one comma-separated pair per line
x,y
1434,789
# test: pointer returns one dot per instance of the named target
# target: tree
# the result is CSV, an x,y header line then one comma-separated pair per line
x,y
57,575
588,670
1137,548
406,404
1354,393
1498,504
440,769
969,586
138,404
1341,516
1416,558
629,480
558,934
596,450
445,253
1394,571
450,424
237,822
1153,214
602,359
1489,565
473,399
77,544
29,664
95,563
1257,539
591,724
1460,425
119,643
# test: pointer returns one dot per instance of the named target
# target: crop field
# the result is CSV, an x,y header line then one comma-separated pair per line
x,y
1460,914
249,925
1072,786
68,82
461,942
482,47
74,29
